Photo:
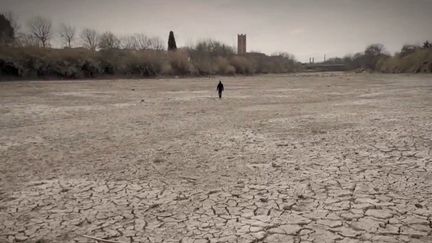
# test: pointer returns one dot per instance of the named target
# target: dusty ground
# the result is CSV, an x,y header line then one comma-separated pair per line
x,y
306,157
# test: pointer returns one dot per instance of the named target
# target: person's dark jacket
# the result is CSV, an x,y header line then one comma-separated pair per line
x,y
220,87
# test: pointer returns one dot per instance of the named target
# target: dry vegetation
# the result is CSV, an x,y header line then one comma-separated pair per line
x,y
419,61
29,55
411,59
76,63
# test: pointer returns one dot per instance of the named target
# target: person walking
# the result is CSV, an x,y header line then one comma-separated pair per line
x,y
220,89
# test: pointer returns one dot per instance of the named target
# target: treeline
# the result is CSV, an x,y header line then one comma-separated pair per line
x,y
410,59
89,54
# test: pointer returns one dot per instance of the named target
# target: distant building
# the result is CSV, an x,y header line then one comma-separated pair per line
x,y
241,44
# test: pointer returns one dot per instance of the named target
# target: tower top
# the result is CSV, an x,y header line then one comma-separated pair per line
x,y
241,44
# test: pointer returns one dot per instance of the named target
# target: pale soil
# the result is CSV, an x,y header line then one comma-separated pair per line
x,y
308,157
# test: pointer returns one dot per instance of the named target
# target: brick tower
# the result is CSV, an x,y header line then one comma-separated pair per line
x,y
241,44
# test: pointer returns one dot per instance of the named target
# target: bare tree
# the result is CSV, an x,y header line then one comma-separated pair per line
x,y
109,41
67,34
142,42
372,55
139,42
129,42
41,29
285,55
155,43
24,40
374,50
89,38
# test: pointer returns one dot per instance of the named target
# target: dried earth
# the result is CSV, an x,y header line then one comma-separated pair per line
x,y
325,157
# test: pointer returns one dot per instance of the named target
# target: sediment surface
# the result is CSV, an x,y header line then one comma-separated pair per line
x,y
325,157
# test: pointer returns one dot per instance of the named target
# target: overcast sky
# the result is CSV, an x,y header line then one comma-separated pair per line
x,y
305,28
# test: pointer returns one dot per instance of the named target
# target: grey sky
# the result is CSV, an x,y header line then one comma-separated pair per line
x,y
304,28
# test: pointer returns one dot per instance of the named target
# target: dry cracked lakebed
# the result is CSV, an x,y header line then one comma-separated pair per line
x,y
325,157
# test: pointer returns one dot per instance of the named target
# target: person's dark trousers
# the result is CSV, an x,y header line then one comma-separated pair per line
x,y
220,95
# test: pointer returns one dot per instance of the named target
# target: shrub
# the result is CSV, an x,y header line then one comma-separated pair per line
x,y
242,65
417,61
179,62
208,58
223,66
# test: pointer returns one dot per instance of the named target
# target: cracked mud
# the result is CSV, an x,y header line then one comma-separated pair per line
x,y
292,158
